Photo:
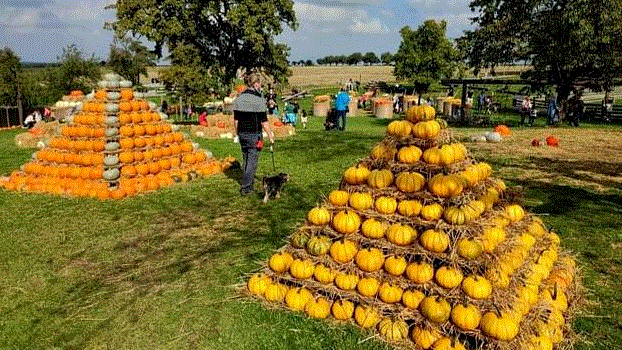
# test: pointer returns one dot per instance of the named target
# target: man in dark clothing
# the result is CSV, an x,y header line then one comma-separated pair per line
x,y
250,115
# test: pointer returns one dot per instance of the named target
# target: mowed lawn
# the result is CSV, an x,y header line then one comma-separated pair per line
x,y
158,271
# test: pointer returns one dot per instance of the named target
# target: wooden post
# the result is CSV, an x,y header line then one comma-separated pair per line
x,y
20,111
464,95
8,121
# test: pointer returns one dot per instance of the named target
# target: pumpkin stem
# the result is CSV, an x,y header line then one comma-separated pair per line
x,y
555,291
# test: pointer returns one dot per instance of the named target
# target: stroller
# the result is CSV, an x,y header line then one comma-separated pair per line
x,y
331,122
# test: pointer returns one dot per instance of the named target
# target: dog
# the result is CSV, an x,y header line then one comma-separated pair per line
x,y
273,186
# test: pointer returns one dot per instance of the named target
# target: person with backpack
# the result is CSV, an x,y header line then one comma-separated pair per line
x,y
251,118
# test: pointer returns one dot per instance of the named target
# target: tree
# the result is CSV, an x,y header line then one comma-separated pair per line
x,y
227,36
425,55
355,58
130,58
309,63
386,58
565,42
10,77
370,58
74,72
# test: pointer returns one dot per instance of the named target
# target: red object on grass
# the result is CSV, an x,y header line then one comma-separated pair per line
x,y
535,142
502,130
552,141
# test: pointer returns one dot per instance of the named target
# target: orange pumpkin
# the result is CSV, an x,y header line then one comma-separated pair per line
x,y
126,157
125,106
139,130
177,137
126,131
142,169
128,171
154,167
136,117
127,94
125,118
167,152
175,162
149,141
127,143
189,158
138,156
140,142
150,129
187,147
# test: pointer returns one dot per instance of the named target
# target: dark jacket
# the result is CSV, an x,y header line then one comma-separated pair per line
x,y
249,109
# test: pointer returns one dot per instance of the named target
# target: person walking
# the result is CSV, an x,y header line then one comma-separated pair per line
x,y
551,111
526,110
250,118
342,102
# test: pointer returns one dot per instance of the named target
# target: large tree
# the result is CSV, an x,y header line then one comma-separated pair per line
x,y
10,77
130,59
74,72
386,58
425,55
566,42
224,35
370,58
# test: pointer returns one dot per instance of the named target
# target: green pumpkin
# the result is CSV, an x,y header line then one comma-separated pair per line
x,y
318,245
299,239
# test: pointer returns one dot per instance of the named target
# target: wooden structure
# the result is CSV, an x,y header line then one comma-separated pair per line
x,y
5,115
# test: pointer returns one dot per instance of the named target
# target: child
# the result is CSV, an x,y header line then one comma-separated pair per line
x,y
303,119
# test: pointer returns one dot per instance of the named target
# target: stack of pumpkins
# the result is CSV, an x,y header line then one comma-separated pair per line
x,y
116,146
423,246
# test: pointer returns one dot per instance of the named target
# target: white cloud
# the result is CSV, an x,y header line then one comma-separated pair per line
x,y
371,27
314,13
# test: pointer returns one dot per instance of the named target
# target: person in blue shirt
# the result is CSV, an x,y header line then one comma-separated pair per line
x,y
342,102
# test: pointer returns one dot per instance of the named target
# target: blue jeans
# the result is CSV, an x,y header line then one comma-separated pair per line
x,y
341,119
250,154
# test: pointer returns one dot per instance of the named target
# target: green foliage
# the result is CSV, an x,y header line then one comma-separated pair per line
x,y
355,58
425,55
75,72
130,59
386,58
10,76
566,42
223,36
370,58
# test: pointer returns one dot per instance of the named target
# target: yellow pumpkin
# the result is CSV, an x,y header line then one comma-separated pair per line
x,y
393,330
338,198
411,298
466,316
501,326
399,128
434,241
366,316
420,272
401,235
435,309
477,287
424,338
368,287
427,130
409,208
318,308
372,228
343,251
410,182
280,262
448,277
297,298
346,222
346,281
380,178
390,293
386,205
432,212
395,265
258,283
356,175
342,309
301,269
361,200
409,154
319,216
323,274
369,259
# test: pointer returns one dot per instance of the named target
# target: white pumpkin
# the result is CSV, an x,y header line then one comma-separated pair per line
x,y
152,105
175,128
111,174
113,95
102,84
112,146
112,77
163,116
125,84
112,132
494,137
112,120
113,84
111,160
112,107
139,95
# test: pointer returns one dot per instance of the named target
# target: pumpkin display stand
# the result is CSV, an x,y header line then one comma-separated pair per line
x,y
423,247
116,146
39,135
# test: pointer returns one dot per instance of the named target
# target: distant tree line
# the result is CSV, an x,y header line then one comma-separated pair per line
x,y
356,58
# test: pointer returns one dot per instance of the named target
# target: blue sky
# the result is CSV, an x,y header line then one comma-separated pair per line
x,y
37,30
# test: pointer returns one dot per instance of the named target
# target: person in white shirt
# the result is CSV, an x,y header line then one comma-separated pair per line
x,y
526,110
29,122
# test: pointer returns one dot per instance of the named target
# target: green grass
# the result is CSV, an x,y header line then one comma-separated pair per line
x,y
156,271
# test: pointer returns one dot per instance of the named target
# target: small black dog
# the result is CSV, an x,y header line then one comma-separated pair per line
x,y
273,185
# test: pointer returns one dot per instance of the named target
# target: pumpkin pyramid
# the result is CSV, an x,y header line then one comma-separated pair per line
x,y
116,146
421,245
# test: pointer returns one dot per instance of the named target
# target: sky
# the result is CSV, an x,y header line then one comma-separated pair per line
x,y
37,30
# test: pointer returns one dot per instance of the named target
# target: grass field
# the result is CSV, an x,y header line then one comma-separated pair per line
x,y
156,271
